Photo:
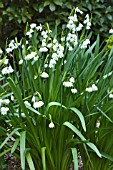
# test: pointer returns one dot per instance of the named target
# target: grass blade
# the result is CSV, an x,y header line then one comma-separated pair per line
x,y
22,149
75,158
80,115
30,161
43,158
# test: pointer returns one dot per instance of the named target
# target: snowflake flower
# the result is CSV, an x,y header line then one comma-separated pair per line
x,y
111,96
67,84
38,104
4,110
85,43
20,62
111,31
94,87
43,49
89,89
44,75
51,125
72,80
33,25
74,90
27,103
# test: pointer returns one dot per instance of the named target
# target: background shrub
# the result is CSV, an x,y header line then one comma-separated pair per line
x,y
15,14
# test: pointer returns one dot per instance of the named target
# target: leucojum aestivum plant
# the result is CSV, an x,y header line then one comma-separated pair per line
x,y
56,98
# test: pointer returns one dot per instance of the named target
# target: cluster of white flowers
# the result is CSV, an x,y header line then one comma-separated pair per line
x,y
12,45
74,26
31,30
37,104
92,88
44,36
107,75
87,22
58,50
71,41
70,84
85,43
7,70
4,109
30,56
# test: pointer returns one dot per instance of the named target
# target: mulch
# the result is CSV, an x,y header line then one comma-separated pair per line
x,y
14,164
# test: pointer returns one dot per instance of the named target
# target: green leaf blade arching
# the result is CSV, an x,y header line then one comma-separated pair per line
x,y
80,115
78,133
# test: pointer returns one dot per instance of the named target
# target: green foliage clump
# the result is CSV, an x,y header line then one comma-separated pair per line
x,y
56,97
15,14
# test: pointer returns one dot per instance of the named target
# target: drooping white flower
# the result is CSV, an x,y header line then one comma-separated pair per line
x,y
8,50
49,45
67,84
10,69
30,56
78,10
89,89
74,90
27,103
4,110
70,48
33,25
33,99
88,25
6,61
6,101
38,104
111,31
80,26
51,125
23,115
20,62
44,34
60,54
1,51
43,49
94,87
12,97
43,43
52,63
111,96
39,28
85,43
72,80
44,75
29,33
36,58
55,56
7,70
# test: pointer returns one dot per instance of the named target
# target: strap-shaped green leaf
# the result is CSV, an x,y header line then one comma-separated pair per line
x,y
81,117
43,158
75,158
75,130
22,149
30,161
